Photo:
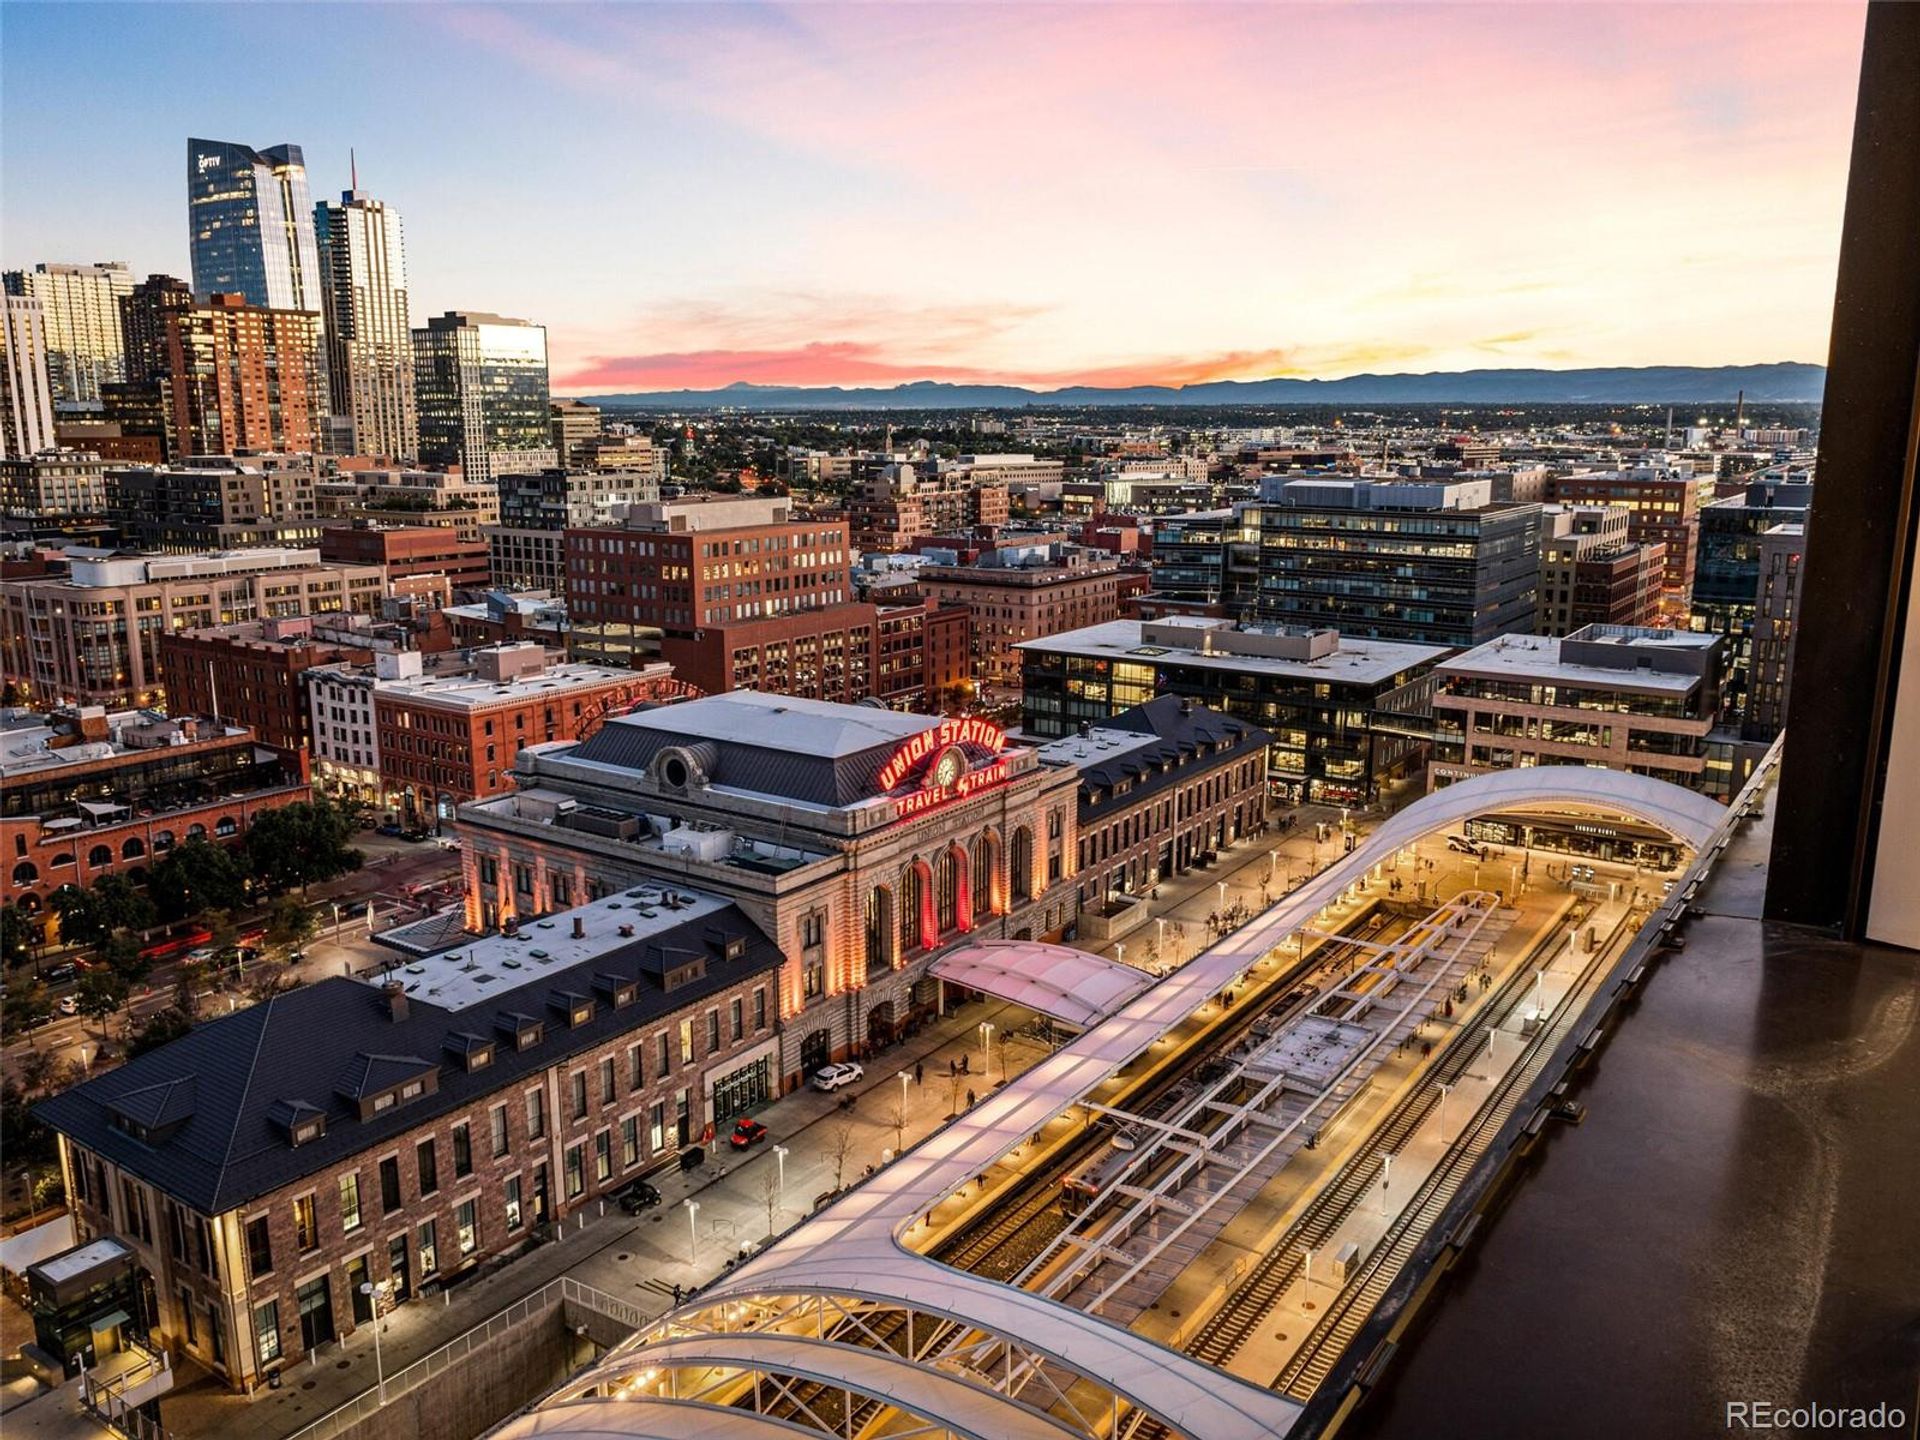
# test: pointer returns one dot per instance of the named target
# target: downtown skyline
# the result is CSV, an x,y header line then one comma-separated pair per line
x,y
828,195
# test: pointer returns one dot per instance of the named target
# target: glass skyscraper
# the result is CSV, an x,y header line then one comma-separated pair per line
x,y
370,340
251,224
85,349
480,385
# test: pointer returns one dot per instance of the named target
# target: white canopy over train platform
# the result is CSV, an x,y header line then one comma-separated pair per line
x,y
853,1250
1055,980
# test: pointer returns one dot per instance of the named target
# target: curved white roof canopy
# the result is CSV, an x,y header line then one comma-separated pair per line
x,y
852,1248
1055,980
960,1405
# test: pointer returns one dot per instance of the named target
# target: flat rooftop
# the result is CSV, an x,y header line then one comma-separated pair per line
x,y
468,692
1537,657
544,949
821,728
1357,661
26,746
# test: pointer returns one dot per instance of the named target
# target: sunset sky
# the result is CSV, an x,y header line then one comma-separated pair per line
x,y
689,195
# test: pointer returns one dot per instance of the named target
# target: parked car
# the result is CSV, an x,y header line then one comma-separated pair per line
x,y
59,975
833,1077
1465,846
69,1005
746,1133
414,837
639,1196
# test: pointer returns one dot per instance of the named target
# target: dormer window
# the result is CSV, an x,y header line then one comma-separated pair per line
x,y
310,1130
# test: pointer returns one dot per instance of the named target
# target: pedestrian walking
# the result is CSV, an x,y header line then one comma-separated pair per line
x,y
919,1073
953,1067
971,1098
677,1294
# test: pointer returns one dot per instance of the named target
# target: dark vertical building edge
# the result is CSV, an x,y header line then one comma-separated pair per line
x,y
1860,562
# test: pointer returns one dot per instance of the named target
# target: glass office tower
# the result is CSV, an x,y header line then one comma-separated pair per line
x,y
370,340
480,386
250,223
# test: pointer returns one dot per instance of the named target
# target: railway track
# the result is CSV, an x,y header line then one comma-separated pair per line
x,y
1341,1321
1001,1243
1230,1327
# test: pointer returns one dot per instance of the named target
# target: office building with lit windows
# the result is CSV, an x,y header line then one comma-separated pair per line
x,y
1342,714
363,267
85,346
480,391
250,225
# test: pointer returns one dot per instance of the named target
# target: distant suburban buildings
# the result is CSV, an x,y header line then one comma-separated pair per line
x,y
480,387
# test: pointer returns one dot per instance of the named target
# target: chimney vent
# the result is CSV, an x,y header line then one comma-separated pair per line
x,y
626,932
396,994
579,928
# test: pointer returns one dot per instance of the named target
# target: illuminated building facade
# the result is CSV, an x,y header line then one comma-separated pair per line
x,y
866,842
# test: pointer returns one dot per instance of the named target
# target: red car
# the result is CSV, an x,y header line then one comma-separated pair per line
x,y
745,1133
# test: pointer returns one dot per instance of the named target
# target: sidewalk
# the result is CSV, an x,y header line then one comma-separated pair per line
x,y
641,1258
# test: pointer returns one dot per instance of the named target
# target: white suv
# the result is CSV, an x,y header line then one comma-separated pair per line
x,y
832,1077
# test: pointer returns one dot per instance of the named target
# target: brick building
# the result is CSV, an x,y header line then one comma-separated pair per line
x,y
1593,573
252,674
215,502
350,1133
245,377
85,793
408,551
1163,786
447,739
1016,594
889,509
1665,509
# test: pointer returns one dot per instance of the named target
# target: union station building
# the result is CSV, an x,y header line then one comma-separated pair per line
x,y
865,842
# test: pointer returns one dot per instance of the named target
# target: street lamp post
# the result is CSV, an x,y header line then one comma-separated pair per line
x,y
780,1158
1386,1178
1223,894
986,1039
693,1232
1445,1090
1121,950
1539,992
1273,859
900,1123
1160,936
336,920
368,1289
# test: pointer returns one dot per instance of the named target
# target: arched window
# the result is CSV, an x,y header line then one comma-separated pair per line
x,y
163,841
987,896
25,873
946,889
226,825
133,849
99,857
1021,862
879,954
65,857
29,904
196,832
911,896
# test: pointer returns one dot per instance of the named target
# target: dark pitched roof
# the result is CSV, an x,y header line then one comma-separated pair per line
x,y
231,1085
1181,729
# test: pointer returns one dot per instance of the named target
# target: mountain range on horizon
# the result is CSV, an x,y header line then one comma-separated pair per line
x,y
1782,382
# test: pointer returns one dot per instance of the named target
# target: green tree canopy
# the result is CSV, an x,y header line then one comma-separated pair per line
x,y
196,877
17,936
300,844
83,918
160,1028
100,993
